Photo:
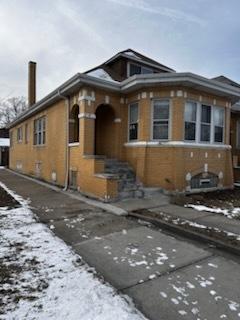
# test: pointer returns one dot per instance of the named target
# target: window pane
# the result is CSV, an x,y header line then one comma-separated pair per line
x,y
133,113
133,131
160,131
161,110
218,134
238,134
134,69
218,116
206,114
146,70
190,111
190,131
205,132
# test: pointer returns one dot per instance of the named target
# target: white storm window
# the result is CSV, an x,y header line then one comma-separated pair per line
x,y
205,128
39,131
133,121
161,115
190,117
218,119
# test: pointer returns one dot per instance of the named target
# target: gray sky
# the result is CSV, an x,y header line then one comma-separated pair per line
x,y
69,36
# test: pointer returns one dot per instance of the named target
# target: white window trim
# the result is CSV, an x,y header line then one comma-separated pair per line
x,y
136,64
169,119
212,125
128,128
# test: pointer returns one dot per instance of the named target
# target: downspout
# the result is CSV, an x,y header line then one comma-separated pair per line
x,y
67,100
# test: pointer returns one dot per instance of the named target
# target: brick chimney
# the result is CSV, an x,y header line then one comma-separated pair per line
x,y
31,83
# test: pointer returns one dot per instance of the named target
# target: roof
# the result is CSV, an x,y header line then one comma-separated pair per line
x,y
136,56
226,80
132,83
130,55
4,142
223,79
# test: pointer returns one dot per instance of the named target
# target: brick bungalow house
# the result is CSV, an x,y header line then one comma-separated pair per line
x,y
127,123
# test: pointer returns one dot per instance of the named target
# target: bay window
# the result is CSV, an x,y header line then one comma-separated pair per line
x,y
190,121
204,123
161,114
133,121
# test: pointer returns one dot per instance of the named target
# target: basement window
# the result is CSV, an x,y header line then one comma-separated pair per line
x,y
73,179
39,131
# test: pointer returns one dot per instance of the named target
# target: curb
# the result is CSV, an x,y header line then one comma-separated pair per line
x,y
105,206
187,233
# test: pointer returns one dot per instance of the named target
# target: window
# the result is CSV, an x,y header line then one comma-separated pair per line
x,y
137,69
39,131
74,124
204,123
238,135
205,133
26,133
19,134
133,121
218,117
161,114
190,121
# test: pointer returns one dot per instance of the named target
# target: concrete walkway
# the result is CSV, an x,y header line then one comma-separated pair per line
x,y
167,277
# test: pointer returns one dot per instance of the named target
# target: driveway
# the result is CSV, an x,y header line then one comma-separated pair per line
x,y
167,277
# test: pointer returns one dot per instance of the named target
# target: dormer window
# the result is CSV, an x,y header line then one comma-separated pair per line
x,y
134,68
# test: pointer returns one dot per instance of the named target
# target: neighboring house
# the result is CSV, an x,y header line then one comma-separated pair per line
x,y
235,140
234,129
172,128
4,147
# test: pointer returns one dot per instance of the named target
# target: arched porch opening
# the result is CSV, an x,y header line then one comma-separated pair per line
x,y
74,124
105,131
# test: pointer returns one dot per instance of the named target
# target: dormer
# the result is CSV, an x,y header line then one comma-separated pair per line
x,y
126,64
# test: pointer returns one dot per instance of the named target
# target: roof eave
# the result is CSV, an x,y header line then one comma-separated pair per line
x,y
184,79
74,83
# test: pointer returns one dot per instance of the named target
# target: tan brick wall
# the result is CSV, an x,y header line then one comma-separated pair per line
x,y
52,154
161,166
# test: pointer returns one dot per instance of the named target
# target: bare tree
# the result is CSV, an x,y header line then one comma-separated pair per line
x,y
11,109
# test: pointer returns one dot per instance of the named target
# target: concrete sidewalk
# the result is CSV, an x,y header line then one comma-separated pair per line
x,y
167,277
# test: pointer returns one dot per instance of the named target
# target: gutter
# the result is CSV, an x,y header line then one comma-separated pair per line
x,y
128,85
67,102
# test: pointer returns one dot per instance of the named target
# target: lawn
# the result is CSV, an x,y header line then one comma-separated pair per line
x,y
224,202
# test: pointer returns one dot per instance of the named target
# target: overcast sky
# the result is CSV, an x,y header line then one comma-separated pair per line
x,y
69,36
